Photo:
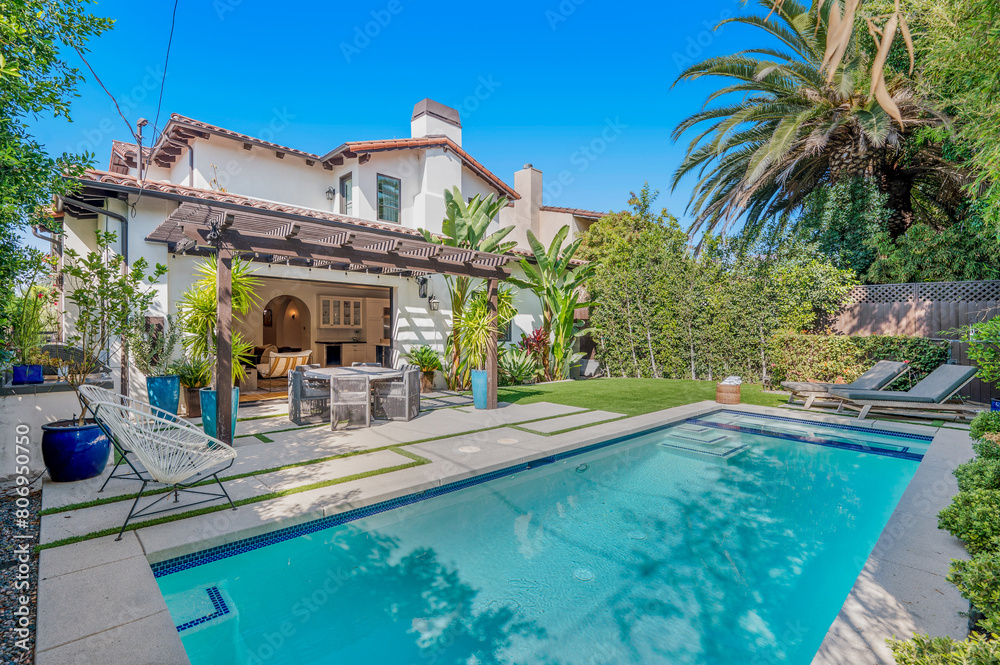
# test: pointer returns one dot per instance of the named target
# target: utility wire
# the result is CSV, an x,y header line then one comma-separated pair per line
x,y
163,79
103,87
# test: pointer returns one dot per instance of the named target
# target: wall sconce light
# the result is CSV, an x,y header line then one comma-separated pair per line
x,y
293,316
331,193
433,303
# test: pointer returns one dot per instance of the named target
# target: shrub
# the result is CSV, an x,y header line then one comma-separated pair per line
x,y
978,474
801,357
927,650
516,366
974,517
988,447
976,579
986,421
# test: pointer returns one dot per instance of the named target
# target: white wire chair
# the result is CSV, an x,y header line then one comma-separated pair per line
x,y
171,454
95,394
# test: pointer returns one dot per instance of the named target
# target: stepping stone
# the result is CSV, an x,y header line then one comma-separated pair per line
x,y
571,422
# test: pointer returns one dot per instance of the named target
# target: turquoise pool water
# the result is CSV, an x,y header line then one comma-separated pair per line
x,y
707,542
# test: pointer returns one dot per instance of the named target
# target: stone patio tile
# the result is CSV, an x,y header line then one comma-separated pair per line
x,y
152,640
88,554
86,602
916,542
166,541
890,600
83,521
298,476
571,421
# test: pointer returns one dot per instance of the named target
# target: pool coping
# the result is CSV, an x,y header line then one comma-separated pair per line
x,y
136,605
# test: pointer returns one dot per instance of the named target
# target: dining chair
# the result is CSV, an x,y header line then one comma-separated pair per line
x,y
350,400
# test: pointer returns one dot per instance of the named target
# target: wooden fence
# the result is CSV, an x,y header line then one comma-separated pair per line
x,y
927,309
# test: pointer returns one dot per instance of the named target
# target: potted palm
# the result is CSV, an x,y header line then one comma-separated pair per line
x,y
109,299
30,315
199,320
429,362
151,347
475,331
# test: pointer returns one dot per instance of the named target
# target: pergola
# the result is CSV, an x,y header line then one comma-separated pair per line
x,y
229,230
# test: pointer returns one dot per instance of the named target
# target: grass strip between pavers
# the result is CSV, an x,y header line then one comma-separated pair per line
x,y
259,472
416,461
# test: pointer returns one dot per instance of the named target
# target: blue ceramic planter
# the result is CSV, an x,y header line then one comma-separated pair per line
x,y
74,452
24,374
995,405
479,388
208,410
164,392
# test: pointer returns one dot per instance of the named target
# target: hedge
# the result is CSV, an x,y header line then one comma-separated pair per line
x,y
804,357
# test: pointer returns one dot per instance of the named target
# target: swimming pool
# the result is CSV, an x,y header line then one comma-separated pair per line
x,y
728,538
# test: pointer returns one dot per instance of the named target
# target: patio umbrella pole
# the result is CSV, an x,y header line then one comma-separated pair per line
x,y
224,347
491,346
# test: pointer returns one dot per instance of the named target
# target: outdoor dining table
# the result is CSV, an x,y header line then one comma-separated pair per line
x,y
373,373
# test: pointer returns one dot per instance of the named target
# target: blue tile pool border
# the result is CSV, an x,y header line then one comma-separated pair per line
x,y
217,603
177,564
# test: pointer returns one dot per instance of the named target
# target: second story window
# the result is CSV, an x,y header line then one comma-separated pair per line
x,y
388,199
346,195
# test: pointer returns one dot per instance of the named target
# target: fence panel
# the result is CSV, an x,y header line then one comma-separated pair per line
x,y
927,309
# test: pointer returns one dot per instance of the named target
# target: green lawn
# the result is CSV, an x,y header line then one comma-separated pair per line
x,y
630,396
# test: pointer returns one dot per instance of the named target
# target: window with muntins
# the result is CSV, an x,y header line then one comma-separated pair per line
x,y
346,195
388,199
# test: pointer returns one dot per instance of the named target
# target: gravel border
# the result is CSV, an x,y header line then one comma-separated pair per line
x,y
9,541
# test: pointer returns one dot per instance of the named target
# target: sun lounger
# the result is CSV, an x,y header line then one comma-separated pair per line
x,y
927,398
881,375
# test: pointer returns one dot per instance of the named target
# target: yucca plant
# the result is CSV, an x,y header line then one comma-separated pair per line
x,y
198,308
797,117
476,327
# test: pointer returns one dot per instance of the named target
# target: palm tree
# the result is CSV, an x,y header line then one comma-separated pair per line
x,y
796,126
465,226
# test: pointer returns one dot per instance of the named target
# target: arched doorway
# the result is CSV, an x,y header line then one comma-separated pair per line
x,y
287,323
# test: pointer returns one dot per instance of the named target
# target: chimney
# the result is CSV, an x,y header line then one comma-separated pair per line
x,y
527,209
431,118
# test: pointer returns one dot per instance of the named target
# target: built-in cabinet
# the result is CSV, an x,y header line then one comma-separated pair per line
x,y
337,312
355,353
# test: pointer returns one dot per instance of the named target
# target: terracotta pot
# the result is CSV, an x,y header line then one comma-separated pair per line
x,y
426,382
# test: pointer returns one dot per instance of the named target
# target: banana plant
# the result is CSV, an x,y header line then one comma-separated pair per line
x,y
553,278
465,226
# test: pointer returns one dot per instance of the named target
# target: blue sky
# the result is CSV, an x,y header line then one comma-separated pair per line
x,y
579,88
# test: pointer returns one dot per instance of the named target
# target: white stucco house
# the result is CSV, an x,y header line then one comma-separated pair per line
x,y
341,315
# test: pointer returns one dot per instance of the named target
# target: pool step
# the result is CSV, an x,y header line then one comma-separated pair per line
x,y
195,608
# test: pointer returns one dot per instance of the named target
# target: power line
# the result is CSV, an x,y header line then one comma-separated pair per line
x,y
163,79
103,87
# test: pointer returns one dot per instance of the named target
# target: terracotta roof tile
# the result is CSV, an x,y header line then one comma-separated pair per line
x,y
122,153
178,120
97,177
576,212
360,147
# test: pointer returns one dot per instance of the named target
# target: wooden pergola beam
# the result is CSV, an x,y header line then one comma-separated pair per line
x,y
243,242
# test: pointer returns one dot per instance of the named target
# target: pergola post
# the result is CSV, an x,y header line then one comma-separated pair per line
x,y
491,345
224,347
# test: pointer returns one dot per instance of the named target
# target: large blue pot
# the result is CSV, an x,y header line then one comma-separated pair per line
x,y
208,410
24,374
74,452
164,392
479,388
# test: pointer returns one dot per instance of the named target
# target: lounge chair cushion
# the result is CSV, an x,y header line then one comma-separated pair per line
x,y
881,374
933,389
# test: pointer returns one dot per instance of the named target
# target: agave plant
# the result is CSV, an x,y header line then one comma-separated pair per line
x,y
803,118
516,366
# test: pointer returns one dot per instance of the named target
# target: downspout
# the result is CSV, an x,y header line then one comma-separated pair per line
x,y
124,245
